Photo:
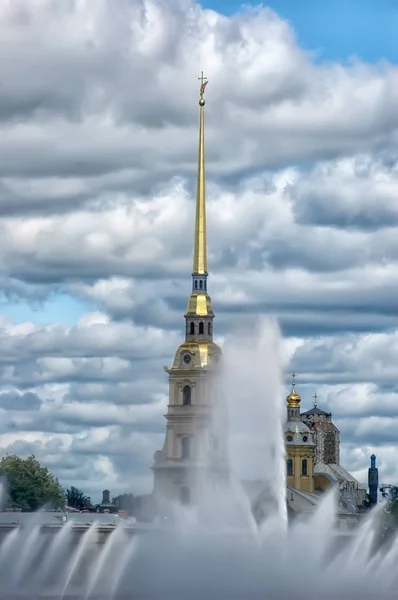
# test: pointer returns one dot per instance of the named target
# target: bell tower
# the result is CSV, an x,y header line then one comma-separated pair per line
x,y
299,445
196,429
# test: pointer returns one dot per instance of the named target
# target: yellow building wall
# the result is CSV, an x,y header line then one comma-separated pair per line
x,y
297,454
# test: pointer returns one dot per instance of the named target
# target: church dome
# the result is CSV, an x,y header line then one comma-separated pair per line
x,y
293,399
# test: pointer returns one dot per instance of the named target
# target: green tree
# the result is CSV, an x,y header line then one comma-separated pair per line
x,y
29,485
76,498
393,493
124,502
391,509
388,517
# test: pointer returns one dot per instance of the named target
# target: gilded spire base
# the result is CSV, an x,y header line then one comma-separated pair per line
x,y
199,305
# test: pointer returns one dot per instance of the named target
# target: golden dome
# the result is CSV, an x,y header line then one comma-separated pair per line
x,y
293,399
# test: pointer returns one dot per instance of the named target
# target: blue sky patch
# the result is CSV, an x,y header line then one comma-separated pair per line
x,y
59,308
337,30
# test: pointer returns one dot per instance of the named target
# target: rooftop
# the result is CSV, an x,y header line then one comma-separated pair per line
x,y
316,411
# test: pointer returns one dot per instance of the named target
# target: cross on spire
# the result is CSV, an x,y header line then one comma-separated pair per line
x,y
315,396
203,82
294,379
202,79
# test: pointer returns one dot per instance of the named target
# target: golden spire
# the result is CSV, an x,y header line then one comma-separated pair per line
x,y
199,303
293,399
200,246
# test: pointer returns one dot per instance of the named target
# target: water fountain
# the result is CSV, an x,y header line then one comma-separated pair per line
x,y
217,551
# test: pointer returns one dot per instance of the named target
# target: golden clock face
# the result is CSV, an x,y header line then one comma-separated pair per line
x,y
187,359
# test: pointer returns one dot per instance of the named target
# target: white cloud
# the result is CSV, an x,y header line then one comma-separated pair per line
x,y
344,193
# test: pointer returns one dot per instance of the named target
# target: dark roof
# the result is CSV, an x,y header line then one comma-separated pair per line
x,y
316,411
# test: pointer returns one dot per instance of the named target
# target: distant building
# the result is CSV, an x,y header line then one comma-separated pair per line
x,y
327,469
327,436
106,505
300,442
312,445
373,480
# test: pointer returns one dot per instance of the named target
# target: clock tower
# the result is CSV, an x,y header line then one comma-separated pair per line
x,y
194,453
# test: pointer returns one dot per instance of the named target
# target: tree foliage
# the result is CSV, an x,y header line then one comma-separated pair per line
x,y
393,493
29,485
388,517
124,502
391,509
76,498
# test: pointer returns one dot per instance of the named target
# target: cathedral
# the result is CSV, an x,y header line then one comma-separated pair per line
x,y
312,443
195,450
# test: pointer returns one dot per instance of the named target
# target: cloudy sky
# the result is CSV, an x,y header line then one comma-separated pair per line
x,y
98,143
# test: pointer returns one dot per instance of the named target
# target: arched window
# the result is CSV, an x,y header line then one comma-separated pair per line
x,y
208,328
185,447
196,285
201,284
192,329
186,395
201,328
205,285
289,467
304,467
185,495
